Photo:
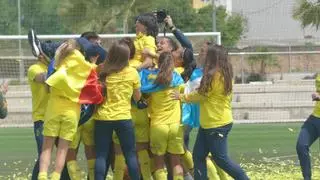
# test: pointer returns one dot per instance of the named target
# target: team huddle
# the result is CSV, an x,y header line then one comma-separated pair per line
x,y
132,107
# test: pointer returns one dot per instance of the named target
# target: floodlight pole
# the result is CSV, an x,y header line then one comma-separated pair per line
x,y
21,65
214,14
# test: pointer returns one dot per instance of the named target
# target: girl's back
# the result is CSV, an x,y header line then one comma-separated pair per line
x,y
162,109
216,105
121,81
120,88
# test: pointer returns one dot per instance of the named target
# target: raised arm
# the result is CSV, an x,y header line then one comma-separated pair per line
x,y
183,40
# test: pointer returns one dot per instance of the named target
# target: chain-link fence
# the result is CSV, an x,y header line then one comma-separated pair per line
x,y
271,52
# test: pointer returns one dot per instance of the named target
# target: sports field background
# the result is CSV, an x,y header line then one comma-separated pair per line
x,y
266,151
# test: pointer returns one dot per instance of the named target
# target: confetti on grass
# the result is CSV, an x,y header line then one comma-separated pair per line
x,y
267,169
290,129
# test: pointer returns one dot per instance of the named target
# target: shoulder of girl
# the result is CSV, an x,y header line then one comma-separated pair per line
x,y
149,38
217,74
33,67
130,69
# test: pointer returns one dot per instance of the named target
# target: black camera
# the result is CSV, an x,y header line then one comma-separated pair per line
x,y
161,15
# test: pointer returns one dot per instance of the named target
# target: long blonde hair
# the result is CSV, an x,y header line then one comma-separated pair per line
x,y
166,68
216,60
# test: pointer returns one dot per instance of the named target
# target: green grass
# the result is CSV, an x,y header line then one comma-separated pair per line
x,y
263,149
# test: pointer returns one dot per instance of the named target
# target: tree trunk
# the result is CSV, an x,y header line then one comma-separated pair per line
x,y
263,66
125,20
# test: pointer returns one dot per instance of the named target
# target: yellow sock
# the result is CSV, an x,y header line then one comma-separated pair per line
x,y
145,166
187,160
42,176
55,176
222,175
74,170
119,167
211,170
160,174
91,164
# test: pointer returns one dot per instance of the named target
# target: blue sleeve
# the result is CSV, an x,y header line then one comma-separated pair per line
x,y
51,69
49,48
183,40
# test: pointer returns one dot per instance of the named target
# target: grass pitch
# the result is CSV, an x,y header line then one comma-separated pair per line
x,y
266,151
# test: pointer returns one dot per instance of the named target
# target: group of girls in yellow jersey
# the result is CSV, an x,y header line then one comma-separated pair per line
x,y
146,31
139,118
69,60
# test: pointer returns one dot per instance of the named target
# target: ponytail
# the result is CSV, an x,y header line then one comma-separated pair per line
x,y
166,68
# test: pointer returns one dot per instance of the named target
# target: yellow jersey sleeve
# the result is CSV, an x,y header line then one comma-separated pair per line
x,y
33,71
136,80
192,97
318,83
150,43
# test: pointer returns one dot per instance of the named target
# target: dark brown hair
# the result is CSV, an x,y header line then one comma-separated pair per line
x,y
118,58
150,22
166,68
216,61
189,64
130,44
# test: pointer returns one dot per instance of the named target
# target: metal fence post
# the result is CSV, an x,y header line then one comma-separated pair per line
x,y
21,64
290,58
242,70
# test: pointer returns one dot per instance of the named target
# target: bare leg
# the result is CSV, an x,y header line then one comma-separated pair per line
x,y
45,156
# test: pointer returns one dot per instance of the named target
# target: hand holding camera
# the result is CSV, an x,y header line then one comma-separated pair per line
x,y
161,15
169,22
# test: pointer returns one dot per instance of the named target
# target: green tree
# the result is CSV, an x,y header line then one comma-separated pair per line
x,y
182,13
42,16
102,16
38,14
308,13
8,17
232,27
113,16
264,61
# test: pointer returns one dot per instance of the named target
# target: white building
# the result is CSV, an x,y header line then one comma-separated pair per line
x,y
269,21
272,19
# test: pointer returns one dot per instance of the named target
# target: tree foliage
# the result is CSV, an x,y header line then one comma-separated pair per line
x,y
308,13
232,27
113,16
